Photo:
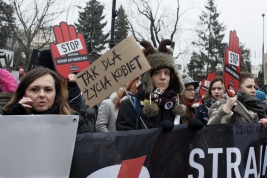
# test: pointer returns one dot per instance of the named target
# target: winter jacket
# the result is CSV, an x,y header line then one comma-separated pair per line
x,y
5,98
126,117
242,115
18,109
202,114
75,97
107,116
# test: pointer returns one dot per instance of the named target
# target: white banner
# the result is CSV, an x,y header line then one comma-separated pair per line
x,y
37,145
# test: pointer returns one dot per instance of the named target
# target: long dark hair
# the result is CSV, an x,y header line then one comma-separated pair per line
x,y
60,99
208,94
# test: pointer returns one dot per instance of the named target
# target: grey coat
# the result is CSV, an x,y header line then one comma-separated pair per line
x,y
107,116
218,116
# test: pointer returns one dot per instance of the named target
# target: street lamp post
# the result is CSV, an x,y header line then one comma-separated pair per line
x,y
263,53
112,42
79,7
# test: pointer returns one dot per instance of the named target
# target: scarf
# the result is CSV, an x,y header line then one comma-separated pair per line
x,y
209,102
251,103
190,103
53,110
165,98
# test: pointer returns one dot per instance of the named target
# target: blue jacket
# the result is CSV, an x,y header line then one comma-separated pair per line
x,y
202,114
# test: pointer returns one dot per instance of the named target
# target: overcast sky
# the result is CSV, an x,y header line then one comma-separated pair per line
x,y
244,16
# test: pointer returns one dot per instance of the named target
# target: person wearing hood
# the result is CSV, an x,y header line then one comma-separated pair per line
x,y
158,94
243,107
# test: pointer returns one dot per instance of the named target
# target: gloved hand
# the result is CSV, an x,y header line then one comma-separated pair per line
x,y
195,124
167,125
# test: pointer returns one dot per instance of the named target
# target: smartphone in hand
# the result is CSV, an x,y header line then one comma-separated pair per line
x,y
29,103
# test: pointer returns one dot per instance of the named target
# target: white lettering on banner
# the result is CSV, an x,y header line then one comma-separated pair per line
x,y
215,152
233,165
69,46
192,163
251,159
233,58
264,163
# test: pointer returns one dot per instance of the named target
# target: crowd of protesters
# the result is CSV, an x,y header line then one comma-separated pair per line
x,y
161,97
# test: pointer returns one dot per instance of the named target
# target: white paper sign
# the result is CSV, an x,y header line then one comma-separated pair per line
x,y
69,46
207,83
233,58
37,145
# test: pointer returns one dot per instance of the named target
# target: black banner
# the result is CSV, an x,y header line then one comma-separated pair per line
x,y
215,151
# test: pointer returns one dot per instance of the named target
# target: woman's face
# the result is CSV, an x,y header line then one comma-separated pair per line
x,y
248,86
161,78
189,92
217,90
42,93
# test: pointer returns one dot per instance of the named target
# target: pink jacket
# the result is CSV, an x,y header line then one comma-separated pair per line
x,y
8,81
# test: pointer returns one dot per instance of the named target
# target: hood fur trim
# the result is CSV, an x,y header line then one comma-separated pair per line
x,y
114,97
158,60
179,109
150,110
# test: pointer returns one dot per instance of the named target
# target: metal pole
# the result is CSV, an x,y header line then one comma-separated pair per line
x,y
263,53
112,42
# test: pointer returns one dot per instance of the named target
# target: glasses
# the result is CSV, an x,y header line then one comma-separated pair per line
x,y
190,89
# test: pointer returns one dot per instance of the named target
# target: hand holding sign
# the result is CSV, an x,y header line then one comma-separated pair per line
x,y
69,52
232,64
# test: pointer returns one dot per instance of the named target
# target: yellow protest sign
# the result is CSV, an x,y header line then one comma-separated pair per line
x,y
112,70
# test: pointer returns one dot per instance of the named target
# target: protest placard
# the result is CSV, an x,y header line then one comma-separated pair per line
x,y
69,52
6,55
232,64
37,145
112,70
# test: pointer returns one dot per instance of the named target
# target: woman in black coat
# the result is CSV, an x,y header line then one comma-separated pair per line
x,y
157,98
41,92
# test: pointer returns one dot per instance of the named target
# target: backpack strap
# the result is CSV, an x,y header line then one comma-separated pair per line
x,y
137,110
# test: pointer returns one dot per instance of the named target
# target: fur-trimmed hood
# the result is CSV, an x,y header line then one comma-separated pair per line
x,y
160,58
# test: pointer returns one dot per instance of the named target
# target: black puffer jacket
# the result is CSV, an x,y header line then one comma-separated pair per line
x,y
126,119
4,98
18,109
75,98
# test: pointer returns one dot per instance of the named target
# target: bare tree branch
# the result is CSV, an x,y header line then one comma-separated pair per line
x,y
31,22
